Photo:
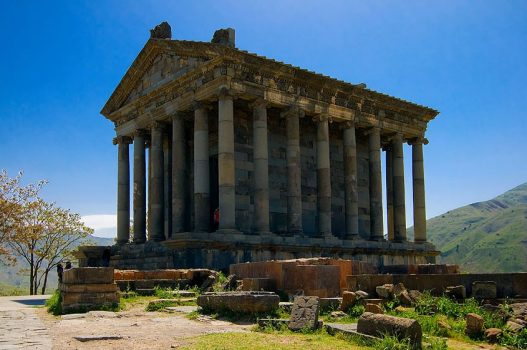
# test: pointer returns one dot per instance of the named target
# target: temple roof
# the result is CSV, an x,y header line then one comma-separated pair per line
x,y
209,51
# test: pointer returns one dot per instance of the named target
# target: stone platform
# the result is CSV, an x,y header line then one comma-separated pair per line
x,y
219,250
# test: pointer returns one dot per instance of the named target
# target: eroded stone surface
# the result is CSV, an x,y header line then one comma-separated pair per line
x,y
304,313
246,302
484,289
474,325
379,325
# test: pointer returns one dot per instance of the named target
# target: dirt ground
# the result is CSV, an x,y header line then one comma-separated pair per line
x,y
138,329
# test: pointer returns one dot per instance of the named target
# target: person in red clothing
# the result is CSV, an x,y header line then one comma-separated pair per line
x,y
216,219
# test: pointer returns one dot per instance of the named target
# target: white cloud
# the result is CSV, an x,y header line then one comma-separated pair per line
x,y
104,225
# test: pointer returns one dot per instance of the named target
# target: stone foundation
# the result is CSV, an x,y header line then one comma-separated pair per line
x,y
219,250
88,289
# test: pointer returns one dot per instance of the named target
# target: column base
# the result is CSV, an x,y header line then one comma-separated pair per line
x,y
228,231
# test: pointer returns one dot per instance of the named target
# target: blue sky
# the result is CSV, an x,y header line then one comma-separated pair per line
x,y
61,60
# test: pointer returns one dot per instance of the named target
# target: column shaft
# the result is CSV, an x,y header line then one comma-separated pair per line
x,y
261,168
201,170
226,165
389,191
139,188
350,182
157,196
398,190
179,175
419,192
323,178
376,217
167,182
123,191
294,180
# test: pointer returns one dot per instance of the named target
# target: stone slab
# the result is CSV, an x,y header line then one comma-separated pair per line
x,y
379,325
304,313
88,275
87,338
244,302
347,329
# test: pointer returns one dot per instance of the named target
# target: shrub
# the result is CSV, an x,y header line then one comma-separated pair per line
x,y
54,303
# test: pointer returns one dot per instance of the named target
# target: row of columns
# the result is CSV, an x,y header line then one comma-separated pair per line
x,y
226,178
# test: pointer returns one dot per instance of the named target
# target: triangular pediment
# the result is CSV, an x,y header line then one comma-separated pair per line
x,y
159,62
166,66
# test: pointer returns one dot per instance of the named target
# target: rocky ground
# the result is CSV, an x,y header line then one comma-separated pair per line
x,y
24,326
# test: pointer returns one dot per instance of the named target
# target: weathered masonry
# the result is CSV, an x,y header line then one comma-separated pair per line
x,y
291,158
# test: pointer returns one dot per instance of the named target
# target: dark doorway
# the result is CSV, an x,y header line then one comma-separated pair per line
x,y
214,191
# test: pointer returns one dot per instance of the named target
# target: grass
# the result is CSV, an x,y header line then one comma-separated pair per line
x,y
319,340
9,290
53,303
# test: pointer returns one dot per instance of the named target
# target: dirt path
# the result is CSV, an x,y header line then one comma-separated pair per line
x,y
137,329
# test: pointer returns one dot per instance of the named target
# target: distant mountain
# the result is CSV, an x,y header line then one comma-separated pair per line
x,y
10,275
488,236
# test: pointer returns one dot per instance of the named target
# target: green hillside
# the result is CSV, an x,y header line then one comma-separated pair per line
x,y
488,236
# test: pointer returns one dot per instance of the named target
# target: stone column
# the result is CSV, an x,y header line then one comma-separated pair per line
x,y
261,167
179,174
294,180
323,177
139,187
201,169
418,175
376,217
226,164
167,183
149,195
389,190
157,197
123,189
350,181
399,211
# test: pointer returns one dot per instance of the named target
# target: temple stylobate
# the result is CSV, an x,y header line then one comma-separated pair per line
x,y
238,157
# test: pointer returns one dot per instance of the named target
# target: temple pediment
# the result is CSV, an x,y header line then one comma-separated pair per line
x,y
166,66
167,70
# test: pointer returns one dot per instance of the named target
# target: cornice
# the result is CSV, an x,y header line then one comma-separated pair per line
x,y
328,89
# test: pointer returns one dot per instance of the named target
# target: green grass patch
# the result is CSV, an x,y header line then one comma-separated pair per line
x,y
319,340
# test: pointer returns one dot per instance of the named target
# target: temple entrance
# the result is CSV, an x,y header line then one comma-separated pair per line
x,y
214,191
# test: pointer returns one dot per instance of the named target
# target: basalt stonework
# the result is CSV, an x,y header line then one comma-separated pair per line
x,y
242,302
250,159
85,289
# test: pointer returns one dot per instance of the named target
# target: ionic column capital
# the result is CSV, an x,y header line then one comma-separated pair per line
x,y
157,125
200,105
122,140
397,137
293,111
259,102
224,92
178,115
419,140
322,117
372,130
140,133
347,124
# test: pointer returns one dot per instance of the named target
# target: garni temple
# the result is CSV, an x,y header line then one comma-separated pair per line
x,y
238,157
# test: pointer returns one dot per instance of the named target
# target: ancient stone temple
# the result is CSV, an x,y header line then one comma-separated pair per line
x,y
238,157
